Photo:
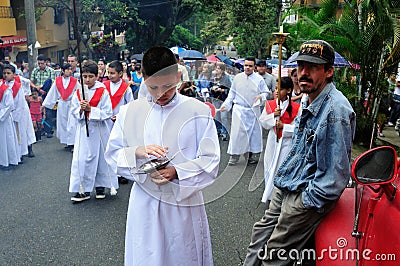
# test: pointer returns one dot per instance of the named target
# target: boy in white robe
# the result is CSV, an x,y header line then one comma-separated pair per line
x,y
61,92
120,94
167,223
277,119
89,169
8,139
21,114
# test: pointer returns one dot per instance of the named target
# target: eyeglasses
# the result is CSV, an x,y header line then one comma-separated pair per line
x,y
249,65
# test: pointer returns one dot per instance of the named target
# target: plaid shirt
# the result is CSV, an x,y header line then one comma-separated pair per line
x,y
38,77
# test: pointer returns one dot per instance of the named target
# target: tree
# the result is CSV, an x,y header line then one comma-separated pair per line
x,y
250,22
157,21
184,38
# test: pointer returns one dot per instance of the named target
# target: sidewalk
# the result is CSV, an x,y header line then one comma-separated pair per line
x,y
391,137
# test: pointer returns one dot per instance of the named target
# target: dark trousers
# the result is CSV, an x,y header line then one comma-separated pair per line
x,y
50,120
394,112
286,225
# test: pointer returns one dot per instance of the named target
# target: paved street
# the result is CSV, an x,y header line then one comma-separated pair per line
x,y
40,226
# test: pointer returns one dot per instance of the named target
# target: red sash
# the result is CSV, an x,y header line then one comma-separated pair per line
x,y
65,92
3,88
116,98
285,118
96,96
17,78
15,88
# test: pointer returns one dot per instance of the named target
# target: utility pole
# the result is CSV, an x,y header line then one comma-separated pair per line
x,y
31,33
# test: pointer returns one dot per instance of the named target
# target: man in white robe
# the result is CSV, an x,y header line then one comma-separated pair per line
x,y
8,138
61,93
247,93
167,223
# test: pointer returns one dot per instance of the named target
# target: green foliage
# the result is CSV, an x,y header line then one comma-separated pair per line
x,y
250,22
184,38
104,47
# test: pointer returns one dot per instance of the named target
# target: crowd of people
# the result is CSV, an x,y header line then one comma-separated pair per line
x,y
95,115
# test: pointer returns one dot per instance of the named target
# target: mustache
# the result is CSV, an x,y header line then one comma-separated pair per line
x,y
306,79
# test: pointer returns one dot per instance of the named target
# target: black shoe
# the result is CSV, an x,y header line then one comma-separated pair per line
x,y
224,138
30,151
122,180
6,168
100,194
234,159
81,197
252,161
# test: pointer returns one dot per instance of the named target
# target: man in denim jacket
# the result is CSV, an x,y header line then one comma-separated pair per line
x,y
317,168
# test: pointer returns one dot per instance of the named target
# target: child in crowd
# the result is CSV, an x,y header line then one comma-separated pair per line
x,y
120,94
89,169
278,119
166,214
36,109
8,138
61,93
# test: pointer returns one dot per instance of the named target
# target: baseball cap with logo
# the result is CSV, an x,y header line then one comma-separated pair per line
x,y
316,51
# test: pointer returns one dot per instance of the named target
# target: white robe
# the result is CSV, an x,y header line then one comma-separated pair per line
x,y
8,137
246,134
66,125
275,152
89,169
126,98
167,225
22,121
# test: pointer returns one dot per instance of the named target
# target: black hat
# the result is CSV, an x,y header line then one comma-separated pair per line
x,y
260,62
316,51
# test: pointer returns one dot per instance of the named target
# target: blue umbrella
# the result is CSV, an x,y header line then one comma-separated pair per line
x,y
225,59
177,49
192,55
275,62
339,61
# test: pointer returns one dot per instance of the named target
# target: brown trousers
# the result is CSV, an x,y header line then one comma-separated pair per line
x,y
285,226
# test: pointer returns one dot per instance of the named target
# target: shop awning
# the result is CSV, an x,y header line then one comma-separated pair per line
x,y
12,40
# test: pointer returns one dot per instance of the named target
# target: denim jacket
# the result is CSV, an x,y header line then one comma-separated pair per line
x,y
318,164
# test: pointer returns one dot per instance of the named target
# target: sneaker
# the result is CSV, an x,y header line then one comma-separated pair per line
x,y
81,197
100,194
251,161
224,137
390,124
381,135
49,135
234,159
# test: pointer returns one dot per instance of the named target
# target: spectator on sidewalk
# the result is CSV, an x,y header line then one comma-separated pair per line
x,y
42,78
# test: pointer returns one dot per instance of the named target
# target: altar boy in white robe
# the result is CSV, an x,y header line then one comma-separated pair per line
x,y
166,223
21,114
120,94
61,93
8,139
89,169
